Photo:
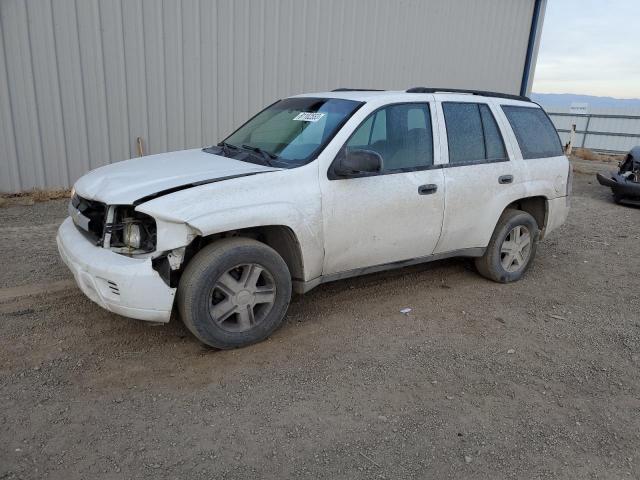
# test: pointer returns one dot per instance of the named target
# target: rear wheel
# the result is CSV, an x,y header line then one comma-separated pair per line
x,y
234,292
511,249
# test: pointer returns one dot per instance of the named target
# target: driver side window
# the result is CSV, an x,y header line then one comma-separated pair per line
x,y
400,133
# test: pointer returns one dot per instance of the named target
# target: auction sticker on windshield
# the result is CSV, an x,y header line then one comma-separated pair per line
x,y
309,116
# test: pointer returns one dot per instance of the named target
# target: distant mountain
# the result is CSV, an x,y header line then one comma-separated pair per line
x,y
566,99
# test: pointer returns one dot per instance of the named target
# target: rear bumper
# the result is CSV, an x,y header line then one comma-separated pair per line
x,y
123,285
619,185
557,213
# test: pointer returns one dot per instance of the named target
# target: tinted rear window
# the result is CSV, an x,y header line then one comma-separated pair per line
x,y
472,133
536,134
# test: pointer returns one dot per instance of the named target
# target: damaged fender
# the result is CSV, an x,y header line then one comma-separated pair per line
x,y
214,208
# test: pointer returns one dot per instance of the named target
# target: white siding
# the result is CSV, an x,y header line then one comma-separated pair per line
x,y
80,80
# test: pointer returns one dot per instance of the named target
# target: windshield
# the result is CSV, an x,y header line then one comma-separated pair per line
x,y
290,132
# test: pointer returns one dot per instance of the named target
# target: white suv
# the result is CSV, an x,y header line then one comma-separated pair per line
x,y
315,188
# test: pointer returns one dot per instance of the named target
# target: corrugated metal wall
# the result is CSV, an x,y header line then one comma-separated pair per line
x,y
623,124
80,80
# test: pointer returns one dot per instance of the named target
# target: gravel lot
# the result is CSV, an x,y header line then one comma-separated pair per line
x,y
480,380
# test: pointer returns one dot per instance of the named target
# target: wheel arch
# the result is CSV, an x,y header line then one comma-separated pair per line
x,y
279,237
536,206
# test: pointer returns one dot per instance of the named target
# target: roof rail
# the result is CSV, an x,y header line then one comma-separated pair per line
x,y
357,90
471,92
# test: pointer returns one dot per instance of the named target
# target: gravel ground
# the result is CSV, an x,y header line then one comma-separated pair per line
x,y
529,380
27,244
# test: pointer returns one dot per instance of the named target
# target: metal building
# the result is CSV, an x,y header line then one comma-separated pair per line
x,y
81,80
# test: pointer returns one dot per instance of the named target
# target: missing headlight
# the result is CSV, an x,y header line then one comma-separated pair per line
x,y
131,232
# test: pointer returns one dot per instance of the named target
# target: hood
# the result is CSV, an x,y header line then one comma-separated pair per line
x,y
128,181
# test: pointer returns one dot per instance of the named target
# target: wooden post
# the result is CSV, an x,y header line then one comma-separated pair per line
x,y
140,148
572,137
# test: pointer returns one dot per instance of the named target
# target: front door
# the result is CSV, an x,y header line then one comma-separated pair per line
x,y
392,216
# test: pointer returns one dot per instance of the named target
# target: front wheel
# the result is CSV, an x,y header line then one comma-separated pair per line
x,y
234,292
511,249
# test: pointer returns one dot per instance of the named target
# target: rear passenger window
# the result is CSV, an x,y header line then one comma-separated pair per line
x,y
472,133
400,133
534,131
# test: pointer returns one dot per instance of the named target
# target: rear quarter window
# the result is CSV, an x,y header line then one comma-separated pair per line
x,y
536,135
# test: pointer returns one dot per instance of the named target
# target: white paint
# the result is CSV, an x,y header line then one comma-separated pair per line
x,y
340,225
380,219
125,182
143,294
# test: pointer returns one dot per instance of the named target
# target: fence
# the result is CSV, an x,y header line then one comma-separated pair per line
x,y
602,132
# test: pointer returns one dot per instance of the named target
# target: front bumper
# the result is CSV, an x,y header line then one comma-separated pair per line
x,y
123,285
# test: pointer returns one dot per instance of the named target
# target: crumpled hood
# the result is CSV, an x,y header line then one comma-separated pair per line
x,y
130,180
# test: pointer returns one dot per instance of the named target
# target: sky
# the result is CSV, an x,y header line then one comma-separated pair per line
x,y
590,47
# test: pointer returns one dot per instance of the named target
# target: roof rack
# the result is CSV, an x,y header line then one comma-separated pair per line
x,y
357,90
471,92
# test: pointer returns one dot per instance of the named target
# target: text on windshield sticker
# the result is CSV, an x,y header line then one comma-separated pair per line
x,y
309,117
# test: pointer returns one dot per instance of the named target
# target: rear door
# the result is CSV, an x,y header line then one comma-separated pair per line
x,y
481,176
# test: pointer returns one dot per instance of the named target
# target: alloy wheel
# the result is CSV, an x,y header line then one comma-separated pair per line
x,y
242,297
516,249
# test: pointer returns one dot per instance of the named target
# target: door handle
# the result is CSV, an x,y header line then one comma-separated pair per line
x,y
427,189
505,179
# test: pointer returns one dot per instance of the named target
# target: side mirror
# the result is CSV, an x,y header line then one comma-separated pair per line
x,y
353,163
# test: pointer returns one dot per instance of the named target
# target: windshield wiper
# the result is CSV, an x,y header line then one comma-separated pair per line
x,y
267,156
222,148
229,150
227,146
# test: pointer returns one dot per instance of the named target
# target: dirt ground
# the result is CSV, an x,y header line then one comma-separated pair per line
x,y
537,379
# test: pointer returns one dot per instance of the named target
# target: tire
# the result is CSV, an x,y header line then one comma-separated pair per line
x,y
492,264
226,275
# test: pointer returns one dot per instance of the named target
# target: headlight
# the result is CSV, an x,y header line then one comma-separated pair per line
x,y
131,232
132,235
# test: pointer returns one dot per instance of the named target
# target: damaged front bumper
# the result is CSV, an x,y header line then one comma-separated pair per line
x,y
123,285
